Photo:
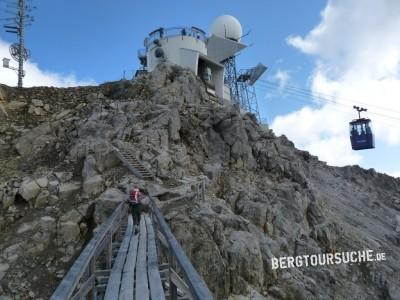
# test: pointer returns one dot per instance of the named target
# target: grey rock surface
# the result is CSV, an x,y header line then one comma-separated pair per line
x,y
264,198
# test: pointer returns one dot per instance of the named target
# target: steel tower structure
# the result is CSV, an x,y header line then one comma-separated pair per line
x,y
20,11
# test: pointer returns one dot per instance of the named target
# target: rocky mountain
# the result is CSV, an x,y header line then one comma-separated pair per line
x,y
264,198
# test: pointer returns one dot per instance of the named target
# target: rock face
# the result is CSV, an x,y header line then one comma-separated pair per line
x,y
264,198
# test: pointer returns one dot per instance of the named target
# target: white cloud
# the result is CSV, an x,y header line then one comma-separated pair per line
x,y
34,75
282,76
395,174
357,50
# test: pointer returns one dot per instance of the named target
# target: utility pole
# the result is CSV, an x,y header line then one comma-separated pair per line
x,y
20,18
21,48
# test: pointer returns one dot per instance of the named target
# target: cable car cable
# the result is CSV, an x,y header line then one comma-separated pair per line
x,y
349,111
310,95
327,96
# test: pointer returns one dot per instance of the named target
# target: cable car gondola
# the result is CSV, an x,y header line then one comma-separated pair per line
x,y
361,135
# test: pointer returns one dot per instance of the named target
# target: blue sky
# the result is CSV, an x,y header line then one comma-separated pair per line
x,y
80,42
99,39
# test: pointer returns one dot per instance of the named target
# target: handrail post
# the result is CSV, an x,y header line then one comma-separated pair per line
x,y
173,290
109,251
92,271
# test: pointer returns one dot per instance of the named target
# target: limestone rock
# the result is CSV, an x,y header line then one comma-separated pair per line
x,y
16,105
3,269
63,176
69,232
35,140
42,182
27,227
63,114
89,167
47,224
106,203
42,198
245,261
3,113
37,102
29,189
68,190
174,125
93,186
53,186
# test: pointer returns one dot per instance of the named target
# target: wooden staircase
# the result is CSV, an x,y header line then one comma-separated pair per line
x,y
133,164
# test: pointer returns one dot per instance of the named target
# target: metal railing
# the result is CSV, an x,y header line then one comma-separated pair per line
x,y
80,281
163,33
192,285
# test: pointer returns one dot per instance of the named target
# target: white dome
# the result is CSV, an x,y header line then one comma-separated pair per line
x,y
227,27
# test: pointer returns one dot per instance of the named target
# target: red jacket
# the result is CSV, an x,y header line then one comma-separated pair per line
x,y
135,196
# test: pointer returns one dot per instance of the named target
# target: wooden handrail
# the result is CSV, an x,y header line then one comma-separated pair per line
x,y
197,286
70,282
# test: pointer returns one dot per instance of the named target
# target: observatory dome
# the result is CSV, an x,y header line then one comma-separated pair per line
x,y
227,27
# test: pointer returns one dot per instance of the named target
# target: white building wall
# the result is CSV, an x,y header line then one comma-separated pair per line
x,y
172,48
189,59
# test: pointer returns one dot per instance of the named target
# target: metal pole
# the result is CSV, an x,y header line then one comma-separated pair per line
x,y
21,20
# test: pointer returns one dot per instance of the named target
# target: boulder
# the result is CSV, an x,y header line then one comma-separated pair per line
x,y
29,189
47,224
42,198
154,189
11,253
64,176
3,269
106,203
93,186
7,197
33,141
62,114
53,186
27,227
68,190
69,232
73,215
39,111
16,105
37,102
164,162
89,167
42,182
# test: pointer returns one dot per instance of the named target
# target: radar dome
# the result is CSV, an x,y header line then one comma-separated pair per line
x,y
227,27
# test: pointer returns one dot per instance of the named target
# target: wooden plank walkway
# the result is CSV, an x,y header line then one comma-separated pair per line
x,y
135,273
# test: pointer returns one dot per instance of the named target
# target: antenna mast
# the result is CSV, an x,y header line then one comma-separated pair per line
x,y
20,10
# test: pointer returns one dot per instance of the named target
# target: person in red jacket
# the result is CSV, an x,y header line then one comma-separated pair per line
x,y
134,202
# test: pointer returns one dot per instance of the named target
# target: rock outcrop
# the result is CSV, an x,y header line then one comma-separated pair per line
x,y
60,179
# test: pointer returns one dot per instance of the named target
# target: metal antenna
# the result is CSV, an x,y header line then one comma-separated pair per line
x,y
20,10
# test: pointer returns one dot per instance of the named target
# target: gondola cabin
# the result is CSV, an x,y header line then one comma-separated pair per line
x,y
361,135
